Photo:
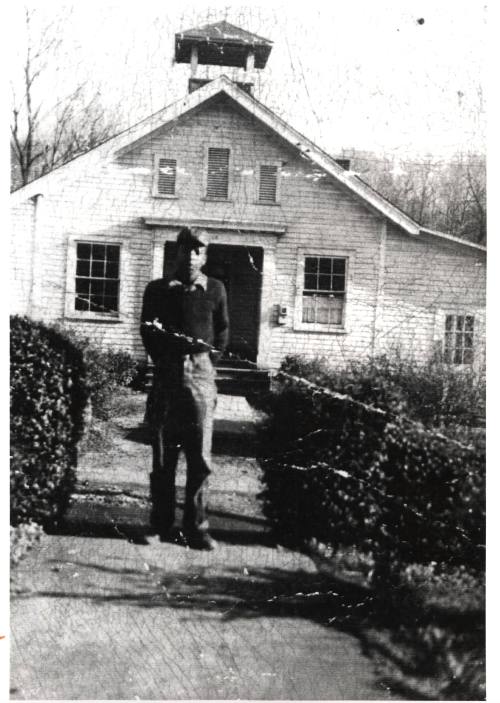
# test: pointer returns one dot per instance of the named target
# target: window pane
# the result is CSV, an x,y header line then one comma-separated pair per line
x,y
460,323
448,341
111,269
81,304
311,264
339,266
457,357
97,287
308,309
82,268
325,281
338,283
82,286
325,265
111,288
448,355
322,309
111,303
310,281
469,323
83,251
468,356
448,325
336,308
97,268
113,253
98,251
468,340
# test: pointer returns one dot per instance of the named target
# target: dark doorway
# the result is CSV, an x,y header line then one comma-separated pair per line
x,y
240,269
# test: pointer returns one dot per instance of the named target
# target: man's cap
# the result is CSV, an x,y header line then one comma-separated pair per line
x,y
192,238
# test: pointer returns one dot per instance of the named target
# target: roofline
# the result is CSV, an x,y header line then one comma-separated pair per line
x,y
452,238
130,136
127,138
186,33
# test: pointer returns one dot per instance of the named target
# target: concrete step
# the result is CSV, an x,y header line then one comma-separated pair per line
x,y
232,379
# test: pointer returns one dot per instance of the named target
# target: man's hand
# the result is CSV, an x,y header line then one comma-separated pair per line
x,y
175,341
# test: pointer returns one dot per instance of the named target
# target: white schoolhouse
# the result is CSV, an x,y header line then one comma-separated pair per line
x,y
314,260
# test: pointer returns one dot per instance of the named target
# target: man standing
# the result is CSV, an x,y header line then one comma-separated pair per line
x,y
184,327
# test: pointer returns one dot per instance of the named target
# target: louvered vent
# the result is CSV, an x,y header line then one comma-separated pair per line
x,y
218,173
167,169
268,183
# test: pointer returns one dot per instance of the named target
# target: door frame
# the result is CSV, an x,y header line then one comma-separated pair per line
x,y
267,242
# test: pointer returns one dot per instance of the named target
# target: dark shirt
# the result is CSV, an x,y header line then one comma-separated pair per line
x,y
199,311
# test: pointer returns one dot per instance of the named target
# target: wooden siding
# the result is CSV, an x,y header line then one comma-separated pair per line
x,y
107,200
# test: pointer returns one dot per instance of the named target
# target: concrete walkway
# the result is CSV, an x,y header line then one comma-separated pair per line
x,y
104,617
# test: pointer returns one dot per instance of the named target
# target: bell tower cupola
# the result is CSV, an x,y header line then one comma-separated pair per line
x,y
222,44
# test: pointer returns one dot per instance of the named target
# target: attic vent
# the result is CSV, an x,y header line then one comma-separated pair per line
x,y
268,183
218,173
166,173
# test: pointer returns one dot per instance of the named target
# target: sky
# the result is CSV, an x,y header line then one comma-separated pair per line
x,y
393,76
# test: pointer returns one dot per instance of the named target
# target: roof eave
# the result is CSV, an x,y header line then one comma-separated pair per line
x,y
452,238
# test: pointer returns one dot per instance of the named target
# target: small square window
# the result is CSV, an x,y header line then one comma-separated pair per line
x,y
97,277
324,290
459,339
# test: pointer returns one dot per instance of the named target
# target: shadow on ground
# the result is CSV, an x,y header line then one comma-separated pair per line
x,y
231,438
120,516
232,593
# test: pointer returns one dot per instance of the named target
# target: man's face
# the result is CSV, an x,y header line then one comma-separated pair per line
x,y
190,262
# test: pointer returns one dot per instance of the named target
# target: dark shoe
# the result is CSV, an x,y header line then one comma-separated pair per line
x,y
202,540
172,535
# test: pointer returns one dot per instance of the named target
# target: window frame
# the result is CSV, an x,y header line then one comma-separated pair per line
x,y
321,327
69,305
156,175
278,165
478,348
219,144
453,332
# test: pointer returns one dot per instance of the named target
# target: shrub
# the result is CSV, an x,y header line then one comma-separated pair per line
x,y
47,401
348,474
105,372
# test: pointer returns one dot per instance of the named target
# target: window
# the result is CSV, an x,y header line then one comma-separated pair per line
x,y
165,176
324,290
268,183
459,339
218,173
97,279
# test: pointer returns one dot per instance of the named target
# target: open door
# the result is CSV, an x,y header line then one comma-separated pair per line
x,y
240,269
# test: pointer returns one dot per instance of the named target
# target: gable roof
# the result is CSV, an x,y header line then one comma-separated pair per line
x,y
308,150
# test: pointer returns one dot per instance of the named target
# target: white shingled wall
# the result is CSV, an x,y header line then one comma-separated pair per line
x,y
106,199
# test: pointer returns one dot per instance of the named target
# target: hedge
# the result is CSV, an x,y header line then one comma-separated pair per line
x,y
48,395
105,371
366,473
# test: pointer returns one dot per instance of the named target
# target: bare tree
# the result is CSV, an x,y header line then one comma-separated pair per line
x,y
44,136
447,195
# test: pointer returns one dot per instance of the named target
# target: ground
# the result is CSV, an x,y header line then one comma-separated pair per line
x,y
102,611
